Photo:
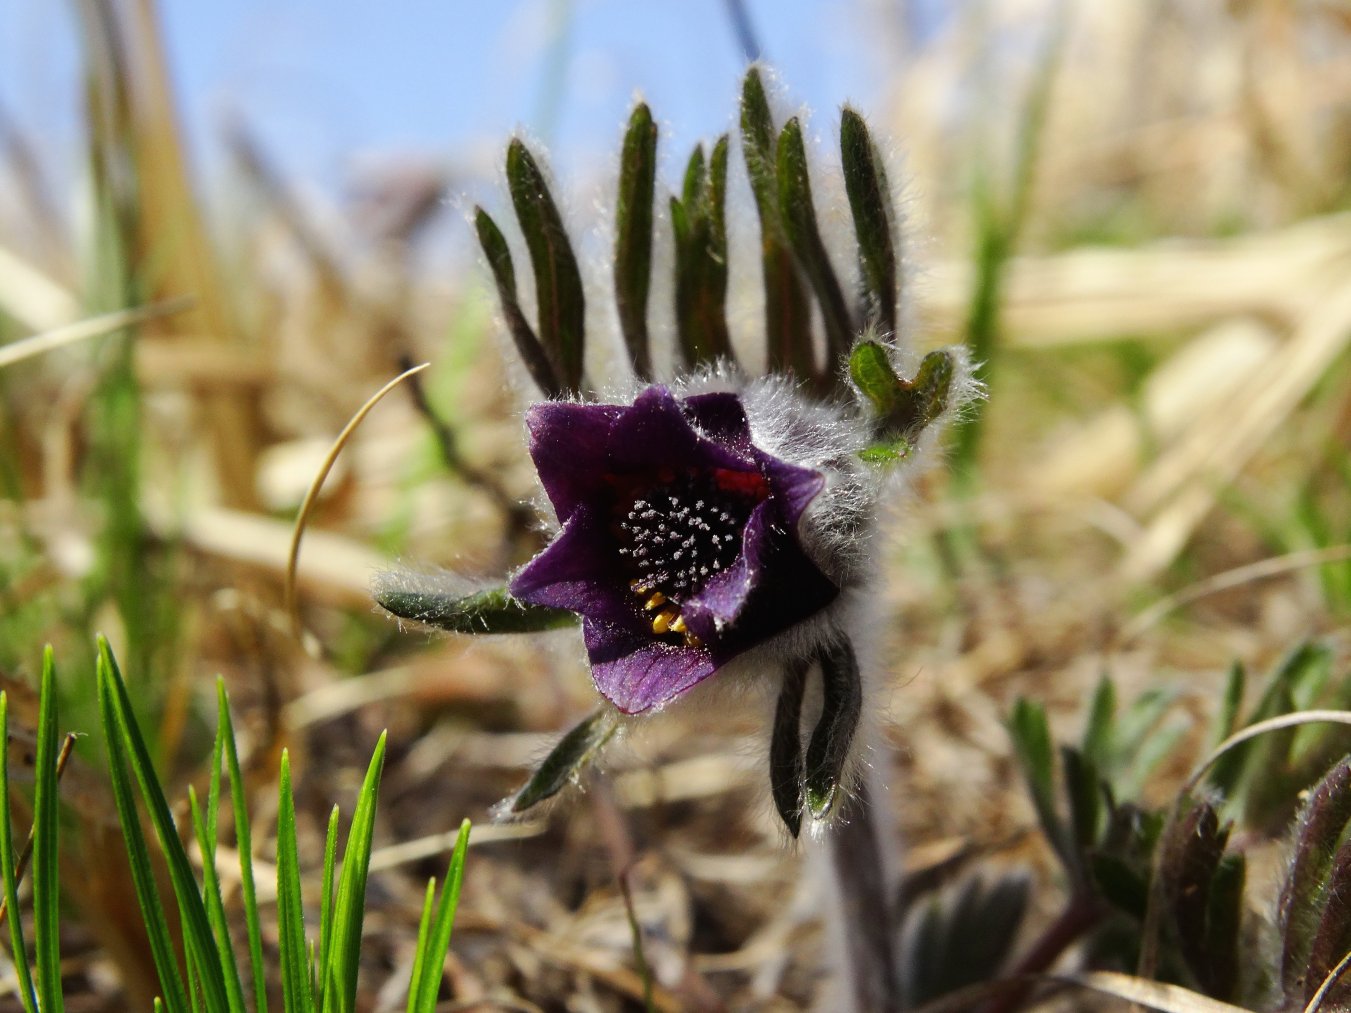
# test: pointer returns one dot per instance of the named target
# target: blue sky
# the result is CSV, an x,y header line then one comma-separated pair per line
x,y
324,83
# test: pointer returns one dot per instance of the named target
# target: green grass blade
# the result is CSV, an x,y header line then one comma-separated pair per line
x,y
46,851
138,853
297,994
7,872
431,957
326,895
244,842
204,828
341,962
200,943
415,984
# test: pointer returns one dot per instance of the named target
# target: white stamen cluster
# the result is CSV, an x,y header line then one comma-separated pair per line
x,y
678,536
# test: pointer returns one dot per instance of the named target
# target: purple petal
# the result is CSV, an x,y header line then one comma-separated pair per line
x,y
720,418
569,444
655,431
720,602
577,571
793,487
636,673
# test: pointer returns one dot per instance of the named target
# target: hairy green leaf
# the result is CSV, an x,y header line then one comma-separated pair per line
x,y
787,313
699,223
798,216
841,707
558,280
787,768
865,184
538,363
574,751
633,235
492,611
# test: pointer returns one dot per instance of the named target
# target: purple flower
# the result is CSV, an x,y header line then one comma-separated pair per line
x,y
679,545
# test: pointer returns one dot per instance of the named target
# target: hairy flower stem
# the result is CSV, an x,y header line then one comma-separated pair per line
x,y
865,891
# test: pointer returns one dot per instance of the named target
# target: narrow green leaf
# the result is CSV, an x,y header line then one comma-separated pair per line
x,y
1099,733
1083,792
870,369
9,874
537,362
696,179
841,707
1032,743
215,907
865,184
198,940
1332,938
798,215
1191,870
901,408
1120,883
787,313
633,235
46,846
296,987
244,842
138,852
574,751
1224,926
787,767
1319,829
887,452
963,937
492,611
558,281
342,962
927,394
420,958
430,964
701,259
1226,717
326,895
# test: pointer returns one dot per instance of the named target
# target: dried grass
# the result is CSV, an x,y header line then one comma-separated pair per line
x,y
1103,490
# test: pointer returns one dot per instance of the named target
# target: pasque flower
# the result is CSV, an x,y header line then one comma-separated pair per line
x,y
708,519
679,545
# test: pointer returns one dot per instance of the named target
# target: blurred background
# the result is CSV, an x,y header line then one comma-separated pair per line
x,y
1134,212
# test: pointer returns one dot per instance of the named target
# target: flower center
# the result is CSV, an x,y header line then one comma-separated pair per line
x,y
681,531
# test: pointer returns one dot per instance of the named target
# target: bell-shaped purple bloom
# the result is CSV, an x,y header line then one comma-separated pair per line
x,y
679,546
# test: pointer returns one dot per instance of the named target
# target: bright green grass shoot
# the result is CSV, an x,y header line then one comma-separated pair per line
x,y
210,977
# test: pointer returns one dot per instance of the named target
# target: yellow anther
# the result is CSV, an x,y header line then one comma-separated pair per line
x,y
663,619
679,625
656,601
